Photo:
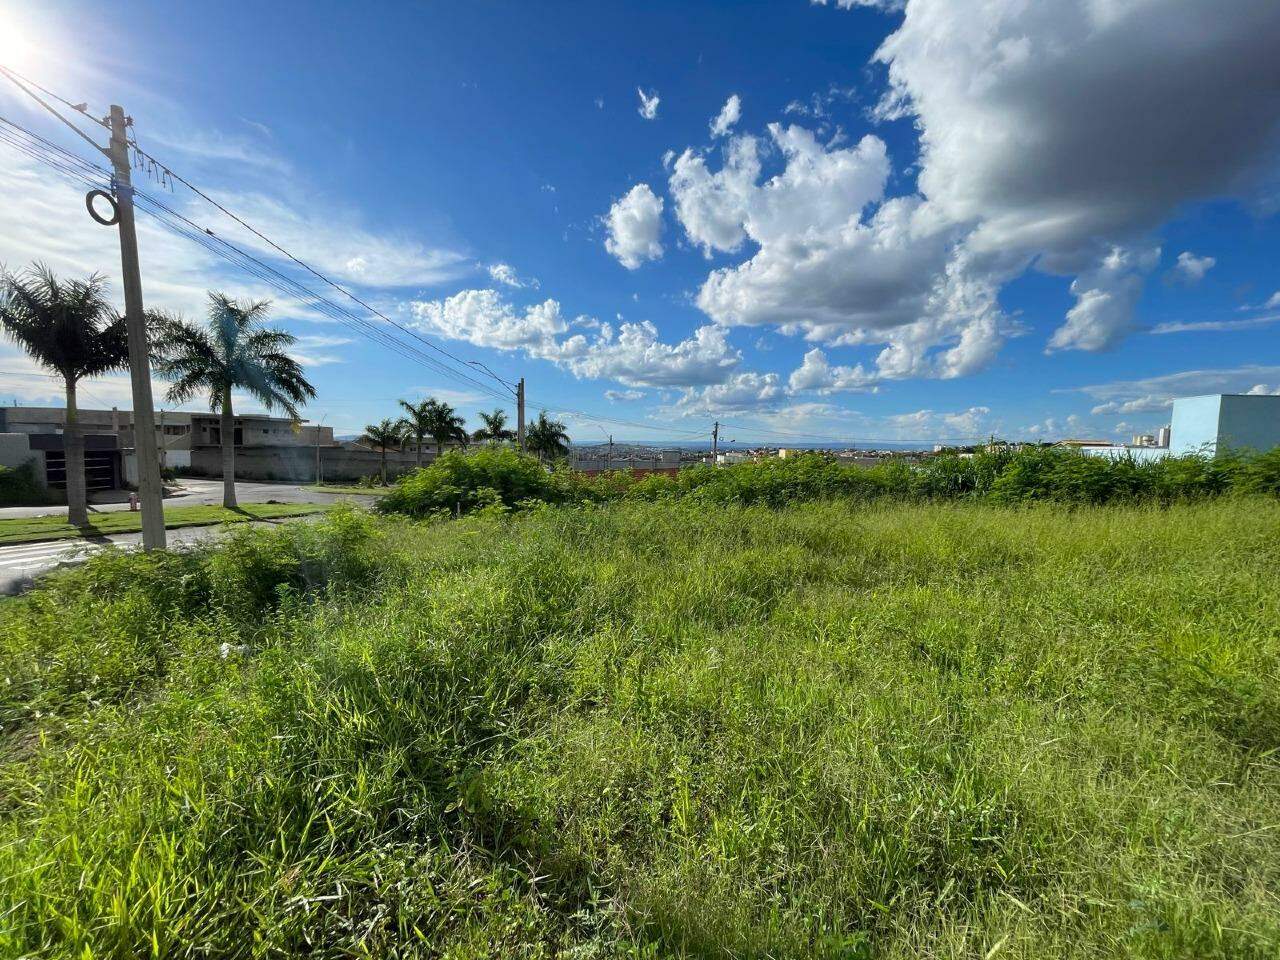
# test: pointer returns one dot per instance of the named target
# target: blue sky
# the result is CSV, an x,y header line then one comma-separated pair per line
x,y
910,224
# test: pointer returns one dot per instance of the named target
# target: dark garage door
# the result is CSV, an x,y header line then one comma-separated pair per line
x,y
99,469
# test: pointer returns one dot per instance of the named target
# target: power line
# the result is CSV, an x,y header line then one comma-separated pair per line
x,y
13,78
341,289
180,224
80,170
166,171
81,108
76,168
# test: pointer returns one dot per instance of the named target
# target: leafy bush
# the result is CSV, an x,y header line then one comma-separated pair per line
x,y
458,483
19,487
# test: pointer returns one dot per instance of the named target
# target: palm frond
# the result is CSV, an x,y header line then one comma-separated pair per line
x,y
65,326
231,352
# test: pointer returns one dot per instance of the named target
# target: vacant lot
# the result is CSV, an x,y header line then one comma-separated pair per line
x,y
656,730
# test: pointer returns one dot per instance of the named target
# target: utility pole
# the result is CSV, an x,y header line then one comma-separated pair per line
x,y
319,475
520,414
150,491
609,465
715,441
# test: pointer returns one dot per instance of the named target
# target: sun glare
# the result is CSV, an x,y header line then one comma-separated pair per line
x,y
22,48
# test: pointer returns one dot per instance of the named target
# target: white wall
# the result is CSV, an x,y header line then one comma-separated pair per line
x,y
15,449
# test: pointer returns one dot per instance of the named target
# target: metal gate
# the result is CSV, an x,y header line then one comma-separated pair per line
x,y
99,469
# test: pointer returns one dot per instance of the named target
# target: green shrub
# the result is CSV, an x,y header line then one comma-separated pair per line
x,y
457,483
19,487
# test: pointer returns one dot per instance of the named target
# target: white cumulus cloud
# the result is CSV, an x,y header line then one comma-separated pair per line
x,y
1060,130
729,115
624,396
635,225
817,373
632,354
1053,136
743,391
1191,268
1105,298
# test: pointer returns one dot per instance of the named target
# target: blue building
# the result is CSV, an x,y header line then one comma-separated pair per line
x,y
1224,421
1206,425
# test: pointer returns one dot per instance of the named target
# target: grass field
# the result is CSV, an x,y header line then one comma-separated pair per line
x,y
31,529
354,489
656,730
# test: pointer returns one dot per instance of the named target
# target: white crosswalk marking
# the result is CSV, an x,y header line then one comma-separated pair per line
x,y
42,554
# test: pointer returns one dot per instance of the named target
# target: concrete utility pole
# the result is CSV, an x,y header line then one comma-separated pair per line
x,y
319,475
520,414
150,491
609,466
715,441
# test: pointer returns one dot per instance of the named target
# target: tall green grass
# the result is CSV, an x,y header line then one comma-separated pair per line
x,y
651,730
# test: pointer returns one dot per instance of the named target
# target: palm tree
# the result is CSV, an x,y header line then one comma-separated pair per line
x,y
444,425
547,438
233,352
388,433
417,422
495,428
67,327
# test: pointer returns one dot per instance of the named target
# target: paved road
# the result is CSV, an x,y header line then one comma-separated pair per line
x,y
21,563
196,492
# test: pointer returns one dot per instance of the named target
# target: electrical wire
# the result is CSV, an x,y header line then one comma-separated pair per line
x,y
80,170
80,108
63,166
206,238
341,289
13,78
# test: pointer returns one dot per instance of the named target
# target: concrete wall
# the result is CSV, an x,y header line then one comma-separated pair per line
x,y
1225,421
298,464
15,450
1195,425
600,464
173,460
1249,422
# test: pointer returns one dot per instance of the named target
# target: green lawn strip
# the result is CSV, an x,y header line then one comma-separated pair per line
x,y
32,529
357,491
